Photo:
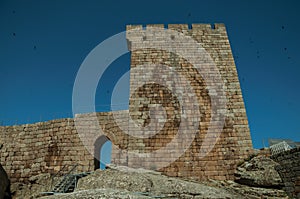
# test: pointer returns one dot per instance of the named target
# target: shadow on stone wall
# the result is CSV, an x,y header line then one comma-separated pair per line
x,y
4,183
289,171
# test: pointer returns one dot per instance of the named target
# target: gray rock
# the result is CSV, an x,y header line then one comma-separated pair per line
x,y
123,182
259,172
118,182
248,191
99,193
36,184
149,183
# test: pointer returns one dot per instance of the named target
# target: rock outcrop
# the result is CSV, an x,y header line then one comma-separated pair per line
x,y
256,179
35,186
123,182
148,183
259,172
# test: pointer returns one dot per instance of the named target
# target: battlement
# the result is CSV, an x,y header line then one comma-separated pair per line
x,y
182,27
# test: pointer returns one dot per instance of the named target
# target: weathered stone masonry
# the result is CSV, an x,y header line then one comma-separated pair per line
x,y
234,142
289,171
47,146
43,147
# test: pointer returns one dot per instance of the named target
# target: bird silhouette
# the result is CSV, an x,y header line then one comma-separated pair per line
x,y
257,54
250,40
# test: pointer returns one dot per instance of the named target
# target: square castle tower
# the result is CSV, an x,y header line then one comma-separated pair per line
x,y
187,114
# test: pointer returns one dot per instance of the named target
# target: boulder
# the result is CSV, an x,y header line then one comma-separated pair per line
x,y
149,184
34,187
259,172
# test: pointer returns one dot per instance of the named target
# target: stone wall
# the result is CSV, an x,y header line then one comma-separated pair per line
x,y
234,142
289,171
48,146
43,147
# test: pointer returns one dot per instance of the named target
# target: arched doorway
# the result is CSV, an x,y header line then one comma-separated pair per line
x,y
102,151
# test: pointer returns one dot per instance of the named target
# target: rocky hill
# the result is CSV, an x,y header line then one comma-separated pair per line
x,y
255,178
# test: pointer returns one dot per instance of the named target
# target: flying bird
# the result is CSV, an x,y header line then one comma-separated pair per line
x,y
250,40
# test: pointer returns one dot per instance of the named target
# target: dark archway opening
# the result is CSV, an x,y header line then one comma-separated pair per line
x,y
102,151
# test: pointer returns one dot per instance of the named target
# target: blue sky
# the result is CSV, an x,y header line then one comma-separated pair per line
x,y
43,43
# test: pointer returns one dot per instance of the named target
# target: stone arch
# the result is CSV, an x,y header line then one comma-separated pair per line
x,y
99,143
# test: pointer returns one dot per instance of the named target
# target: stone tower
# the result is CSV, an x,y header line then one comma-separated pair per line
x,y
160,48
